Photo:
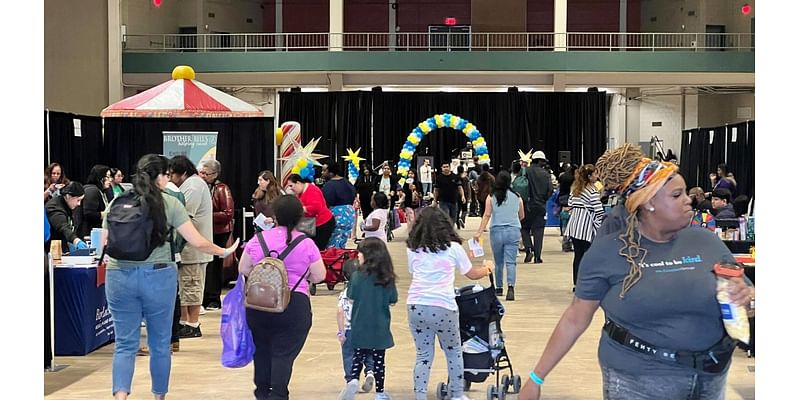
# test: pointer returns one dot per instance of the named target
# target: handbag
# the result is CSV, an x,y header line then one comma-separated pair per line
x,y
307,225
238,347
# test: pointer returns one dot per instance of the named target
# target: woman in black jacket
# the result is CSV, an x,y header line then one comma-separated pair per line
x,y
96,201
365,185
64,221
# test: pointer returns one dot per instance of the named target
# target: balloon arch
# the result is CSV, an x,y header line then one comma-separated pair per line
x,y
433,123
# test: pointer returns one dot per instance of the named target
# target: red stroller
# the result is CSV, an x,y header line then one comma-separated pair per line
x,y
334,260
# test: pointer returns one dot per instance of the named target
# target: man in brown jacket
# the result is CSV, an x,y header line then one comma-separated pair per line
x,y
222,217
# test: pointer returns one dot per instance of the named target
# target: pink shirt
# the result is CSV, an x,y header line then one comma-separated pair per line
x,y
298,260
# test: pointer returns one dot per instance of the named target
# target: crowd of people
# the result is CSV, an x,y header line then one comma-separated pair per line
x,y
192,214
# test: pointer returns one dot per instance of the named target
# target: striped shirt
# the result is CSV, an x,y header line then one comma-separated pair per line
x,y
586,215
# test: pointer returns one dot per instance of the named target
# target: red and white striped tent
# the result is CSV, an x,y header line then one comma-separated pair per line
x,y
182,97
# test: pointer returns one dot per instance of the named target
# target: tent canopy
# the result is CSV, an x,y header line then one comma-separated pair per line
x,y
182,97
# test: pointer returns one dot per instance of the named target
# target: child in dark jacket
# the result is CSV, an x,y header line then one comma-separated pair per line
x,y
372,289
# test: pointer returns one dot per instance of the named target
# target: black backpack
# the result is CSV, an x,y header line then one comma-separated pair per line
x,y
130,228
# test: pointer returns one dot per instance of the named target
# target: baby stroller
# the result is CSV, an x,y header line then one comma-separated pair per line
x,y
334,260
482,342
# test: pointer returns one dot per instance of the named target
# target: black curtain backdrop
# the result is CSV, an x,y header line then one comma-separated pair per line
x,y
244,146
76,154
690,156
341,119
700,157
741,156
551,122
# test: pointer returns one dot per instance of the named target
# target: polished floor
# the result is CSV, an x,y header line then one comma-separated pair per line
x,y
542,293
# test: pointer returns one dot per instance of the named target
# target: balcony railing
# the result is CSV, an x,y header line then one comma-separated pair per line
x,y
571,41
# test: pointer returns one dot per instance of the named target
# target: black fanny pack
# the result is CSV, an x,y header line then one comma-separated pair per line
x,y
713,360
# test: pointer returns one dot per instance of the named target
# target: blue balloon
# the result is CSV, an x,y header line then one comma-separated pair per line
x,y
417,131
462,124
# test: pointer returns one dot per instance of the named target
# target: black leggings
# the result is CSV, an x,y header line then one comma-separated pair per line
x,y
323,234
278,338
380,367
580,247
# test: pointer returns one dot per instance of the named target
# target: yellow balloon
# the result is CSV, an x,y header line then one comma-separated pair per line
x,y
278,136
302,163
454,120
295,170
479,141
468,128
484,157
425,128
439,120
413,139
183,72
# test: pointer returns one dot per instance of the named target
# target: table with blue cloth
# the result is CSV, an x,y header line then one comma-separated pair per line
x,y
82,320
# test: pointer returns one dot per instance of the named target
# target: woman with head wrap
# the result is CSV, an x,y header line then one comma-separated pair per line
x,y
663,337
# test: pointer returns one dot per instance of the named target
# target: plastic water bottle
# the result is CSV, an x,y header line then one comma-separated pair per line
x,y
733,317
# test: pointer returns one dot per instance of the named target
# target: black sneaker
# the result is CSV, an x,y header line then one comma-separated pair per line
x,y
538,261
186,332
510,294
213,306
498,291
528,257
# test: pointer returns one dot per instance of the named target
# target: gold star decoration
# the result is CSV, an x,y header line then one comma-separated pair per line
x,y
353,156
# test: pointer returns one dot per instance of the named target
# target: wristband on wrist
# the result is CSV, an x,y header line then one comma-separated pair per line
x,y
535,378
340,334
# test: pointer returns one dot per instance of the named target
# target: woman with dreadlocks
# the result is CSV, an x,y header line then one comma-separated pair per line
x,y
653,276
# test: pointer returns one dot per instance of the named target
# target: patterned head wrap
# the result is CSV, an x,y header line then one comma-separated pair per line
x,y
647,178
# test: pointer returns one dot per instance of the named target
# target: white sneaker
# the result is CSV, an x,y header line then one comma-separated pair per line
x,y
202,310
349,391
462,397
369,382
382,396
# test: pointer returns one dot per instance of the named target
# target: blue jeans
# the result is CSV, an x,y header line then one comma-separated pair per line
x,y
505,246
133,293
618,385
347,358
450,209
427,187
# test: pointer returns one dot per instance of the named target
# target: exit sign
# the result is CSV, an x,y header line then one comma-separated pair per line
x,y
450,21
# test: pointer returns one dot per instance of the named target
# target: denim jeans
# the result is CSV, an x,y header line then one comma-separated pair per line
x,y
450,209
618,385
505,246
347,359
133,293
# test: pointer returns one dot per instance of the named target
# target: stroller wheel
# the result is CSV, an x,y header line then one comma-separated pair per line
x,y
441,391
505,383
467,385
517,383
501,395
491,392
313,289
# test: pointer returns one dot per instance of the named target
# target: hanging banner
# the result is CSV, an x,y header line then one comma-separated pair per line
x,y
196,146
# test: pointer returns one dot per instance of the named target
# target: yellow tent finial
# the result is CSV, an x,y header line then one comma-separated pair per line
x,y
183,72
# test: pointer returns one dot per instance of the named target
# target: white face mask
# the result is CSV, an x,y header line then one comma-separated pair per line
x,y
410,180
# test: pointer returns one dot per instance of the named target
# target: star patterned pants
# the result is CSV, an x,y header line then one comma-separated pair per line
x,y
426,323
380,367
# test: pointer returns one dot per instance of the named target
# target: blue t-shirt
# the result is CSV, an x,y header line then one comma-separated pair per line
x,y
673,306
338,192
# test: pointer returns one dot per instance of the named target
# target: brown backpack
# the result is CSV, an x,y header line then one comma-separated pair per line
x,y
267,286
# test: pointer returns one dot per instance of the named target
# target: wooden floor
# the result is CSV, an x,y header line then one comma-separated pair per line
x,y
542,292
